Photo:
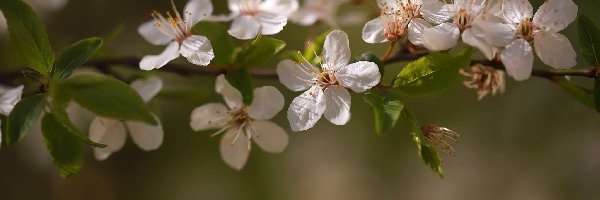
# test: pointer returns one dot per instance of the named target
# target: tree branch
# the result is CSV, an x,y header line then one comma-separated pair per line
x,y
590,72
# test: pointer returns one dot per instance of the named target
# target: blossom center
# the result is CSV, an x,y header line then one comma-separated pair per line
x,y
463,19
239,117
173,26
326,78
526,29
397,19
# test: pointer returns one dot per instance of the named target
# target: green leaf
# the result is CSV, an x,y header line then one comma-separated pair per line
x,y
315,47
23,117
241,80
32,75
387,108
368,56
589,39
219,39
29,35
64,148
108,97
433,74
59,100
75,56
427,153
259,51
584,95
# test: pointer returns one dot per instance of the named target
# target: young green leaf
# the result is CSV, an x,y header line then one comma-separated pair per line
x,y
75,56
427,153
58,102
64,148
582,94
433,74
589,39
22,118
220,41
241,80
108,97
259,51
387,108
29,35
32,75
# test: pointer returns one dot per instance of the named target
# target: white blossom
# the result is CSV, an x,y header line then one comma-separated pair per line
x,y
326,92
113,132
175,31
241,123
398,19
9,97
479,26
553,48
253,17
317,10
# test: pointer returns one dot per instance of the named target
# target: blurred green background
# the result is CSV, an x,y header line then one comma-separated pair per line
x,y
533,142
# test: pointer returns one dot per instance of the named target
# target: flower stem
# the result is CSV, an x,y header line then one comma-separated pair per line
x,y
389,51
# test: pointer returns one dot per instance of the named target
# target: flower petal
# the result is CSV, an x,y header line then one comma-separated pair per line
x,y
516,10
336,50
387,4
233,97
244,27
415,30
438,12
268,101
147,88
151,62
359,76
282,7
306,109
555,50
109,132
555,15
197,49
296,76
493,31
197,10
269,136
337,101
479,43
235,149
209,116
518,59
9,99
152,34
374,31
271,24
146,136
441,37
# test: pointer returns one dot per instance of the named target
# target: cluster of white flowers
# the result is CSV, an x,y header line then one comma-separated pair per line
x,y
503,28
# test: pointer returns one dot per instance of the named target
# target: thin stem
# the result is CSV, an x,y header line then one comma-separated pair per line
x,y
389,51
590,72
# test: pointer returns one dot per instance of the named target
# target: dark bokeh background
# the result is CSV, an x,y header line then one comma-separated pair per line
x,y
533,142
